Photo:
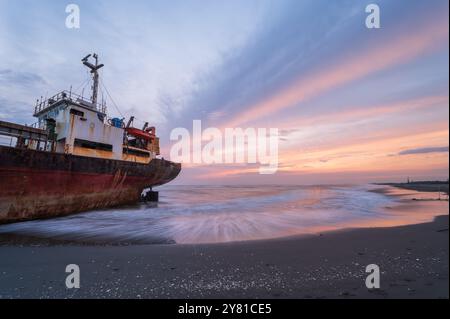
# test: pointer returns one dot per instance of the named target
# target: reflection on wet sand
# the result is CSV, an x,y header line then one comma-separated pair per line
x,y
213,214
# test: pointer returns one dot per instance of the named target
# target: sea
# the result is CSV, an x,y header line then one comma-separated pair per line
x,y
221,214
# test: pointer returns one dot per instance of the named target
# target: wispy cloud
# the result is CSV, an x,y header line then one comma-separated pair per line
x,y
17,77
397,51
16,111
425,150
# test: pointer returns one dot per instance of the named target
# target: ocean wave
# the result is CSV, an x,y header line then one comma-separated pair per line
x,y
198,214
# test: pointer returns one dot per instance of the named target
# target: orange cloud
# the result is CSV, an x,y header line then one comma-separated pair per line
x,y
359,112
372,155
376,155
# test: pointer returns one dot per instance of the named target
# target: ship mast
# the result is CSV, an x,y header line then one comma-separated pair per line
x,y
94,70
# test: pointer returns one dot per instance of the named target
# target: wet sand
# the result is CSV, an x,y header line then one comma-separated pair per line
x,y
413,261
422,186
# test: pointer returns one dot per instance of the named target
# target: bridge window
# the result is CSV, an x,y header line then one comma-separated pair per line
x,y
76,112
93,145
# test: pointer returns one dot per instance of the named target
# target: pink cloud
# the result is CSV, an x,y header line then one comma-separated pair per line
x,y
398,50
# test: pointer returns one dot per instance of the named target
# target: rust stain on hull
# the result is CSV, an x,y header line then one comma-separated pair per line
x,y
35,184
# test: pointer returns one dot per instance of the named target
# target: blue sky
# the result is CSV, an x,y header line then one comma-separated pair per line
x,y
253,63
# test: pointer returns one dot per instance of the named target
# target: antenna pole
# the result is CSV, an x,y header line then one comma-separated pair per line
x,y
95,76
95,85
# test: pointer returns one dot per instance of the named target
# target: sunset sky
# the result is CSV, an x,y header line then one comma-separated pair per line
x,y
351,104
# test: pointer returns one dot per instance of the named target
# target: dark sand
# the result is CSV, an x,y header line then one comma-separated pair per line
x,y
413,261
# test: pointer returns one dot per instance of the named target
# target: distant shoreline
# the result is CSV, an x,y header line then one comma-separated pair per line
x,y
422,186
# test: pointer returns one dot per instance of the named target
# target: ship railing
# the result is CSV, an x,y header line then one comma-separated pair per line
x,y
65,95
40,124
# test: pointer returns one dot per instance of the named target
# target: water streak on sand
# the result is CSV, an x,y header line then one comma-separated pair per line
x,y
210,214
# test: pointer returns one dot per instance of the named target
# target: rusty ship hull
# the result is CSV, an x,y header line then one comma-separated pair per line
x,y
38,184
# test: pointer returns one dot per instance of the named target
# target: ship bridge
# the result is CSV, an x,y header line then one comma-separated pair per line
x,y
79,126
50,108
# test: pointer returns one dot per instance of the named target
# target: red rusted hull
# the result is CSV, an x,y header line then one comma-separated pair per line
x,y
35,184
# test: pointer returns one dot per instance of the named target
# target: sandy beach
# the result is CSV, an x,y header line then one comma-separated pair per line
x,y
410,245
413,261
